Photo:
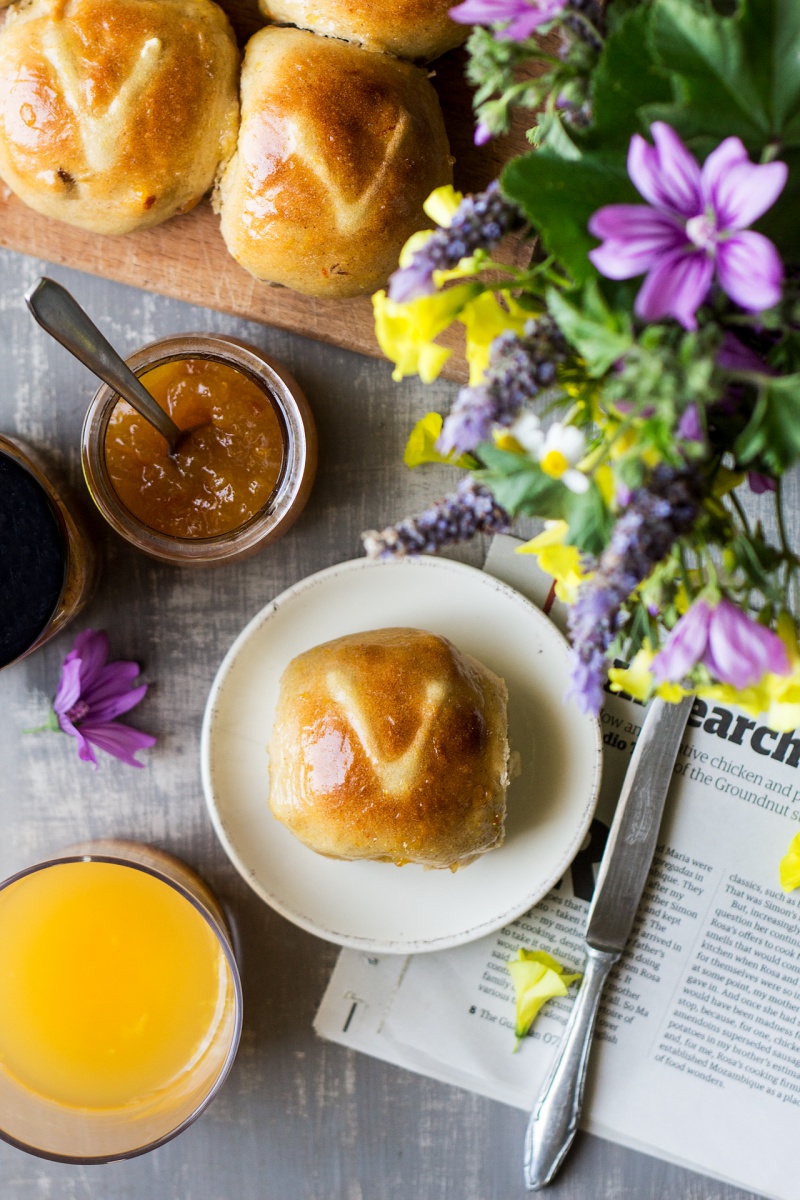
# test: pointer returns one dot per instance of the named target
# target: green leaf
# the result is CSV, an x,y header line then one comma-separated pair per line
x,y
559,196
589,520
520,485
626,78
772,435
736,75
600,335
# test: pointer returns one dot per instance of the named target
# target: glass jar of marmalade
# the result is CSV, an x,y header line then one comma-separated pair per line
x,y
48,565
240,477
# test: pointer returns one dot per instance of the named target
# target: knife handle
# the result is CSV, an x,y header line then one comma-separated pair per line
x,y
554,1120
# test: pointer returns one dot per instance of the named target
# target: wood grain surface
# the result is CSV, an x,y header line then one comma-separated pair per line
x,y
186,257
298,1119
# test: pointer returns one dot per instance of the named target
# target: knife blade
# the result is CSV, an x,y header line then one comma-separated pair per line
x,y
620,882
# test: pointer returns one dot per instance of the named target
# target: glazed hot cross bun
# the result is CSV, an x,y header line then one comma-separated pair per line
x,y
391,745
417,29
116,114
338,149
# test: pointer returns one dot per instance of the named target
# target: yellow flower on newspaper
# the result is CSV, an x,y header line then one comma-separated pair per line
x,y
537,978
558,559
421,445
406,332
790,866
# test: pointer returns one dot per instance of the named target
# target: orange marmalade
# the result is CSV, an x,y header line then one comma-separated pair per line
x,y
223,473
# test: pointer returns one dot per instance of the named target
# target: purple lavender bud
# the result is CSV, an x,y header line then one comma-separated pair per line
x,y
657,515
518,369
456,518
479,223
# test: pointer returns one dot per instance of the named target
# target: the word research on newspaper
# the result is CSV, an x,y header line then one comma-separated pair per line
x,y
697,1054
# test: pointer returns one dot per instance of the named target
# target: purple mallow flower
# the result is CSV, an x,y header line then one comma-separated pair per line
x,y
695,227
734,647
518,17
761,483
92,693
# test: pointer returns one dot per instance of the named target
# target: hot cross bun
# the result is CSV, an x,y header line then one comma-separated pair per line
x,y
391,745
116,114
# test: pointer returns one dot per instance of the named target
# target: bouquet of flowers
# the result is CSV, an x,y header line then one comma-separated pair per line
x,y
644,369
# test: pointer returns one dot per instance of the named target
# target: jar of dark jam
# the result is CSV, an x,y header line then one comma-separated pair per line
x,y
47,563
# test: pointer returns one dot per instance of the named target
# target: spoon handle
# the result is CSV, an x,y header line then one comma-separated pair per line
x,y
64,319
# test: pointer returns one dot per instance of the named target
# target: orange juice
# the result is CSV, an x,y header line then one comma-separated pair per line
x,y
112,984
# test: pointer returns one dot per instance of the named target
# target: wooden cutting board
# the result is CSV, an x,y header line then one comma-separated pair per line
x,y
186,257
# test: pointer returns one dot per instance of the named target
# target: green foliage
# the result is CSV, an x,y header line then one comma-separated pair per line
x,y
772,436
558,196
599,334
626,79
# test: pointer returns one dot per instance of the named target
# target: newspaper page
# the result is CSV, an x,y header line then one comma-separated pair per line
x,y
697,1049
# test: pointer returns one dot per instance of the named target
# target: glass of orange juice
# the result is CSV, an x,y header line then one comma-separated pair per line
x,y
120,1002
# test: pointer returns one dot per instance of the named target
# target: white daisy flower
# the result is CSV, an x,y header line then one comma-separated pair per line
x,y
563,446
527,430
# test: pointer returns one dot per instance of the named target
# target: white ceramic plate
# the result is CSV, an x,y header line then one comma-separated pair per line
x,y
376,906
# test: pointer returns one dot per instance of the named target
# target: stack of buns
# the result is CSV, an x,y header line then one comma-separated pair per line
x,y
117,114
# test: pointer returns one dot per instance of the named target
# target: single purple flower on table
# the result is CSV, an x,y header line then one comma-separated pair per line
x,y
92,693
695,227
519,17
734,647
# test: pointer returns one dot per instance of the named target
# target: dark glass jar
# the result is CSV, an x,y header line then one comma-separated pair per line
x,y
48,565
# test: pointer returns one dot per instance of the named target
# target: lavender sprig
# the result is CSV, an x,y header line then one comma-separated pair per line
x,y
656,516
458,517
518,369
479,223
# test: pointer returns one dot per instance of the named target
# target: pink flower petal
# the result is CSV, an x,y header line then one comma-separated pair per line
x,y
636,238
750,270
85,751
119,740
114,706
91,647
69,686
738,190
685,645
665,174
676,287
114,678
740,651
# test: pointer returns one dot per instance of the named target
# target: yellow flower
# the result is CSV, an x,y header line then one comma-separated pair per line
x,y
442,205
421,444
638,681
406,332
790,866
485,319
537,978
556,558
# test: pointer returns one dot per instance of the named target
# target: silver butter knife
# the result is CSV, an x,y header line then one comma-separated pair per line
x,y
620,883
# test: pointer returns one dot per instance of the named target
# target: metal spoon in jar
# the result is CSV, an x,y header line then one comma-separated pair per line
x,y
63,318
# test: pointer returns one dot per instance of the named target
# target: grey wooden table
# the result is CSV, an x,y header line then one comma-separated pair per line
x,y
298,1119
